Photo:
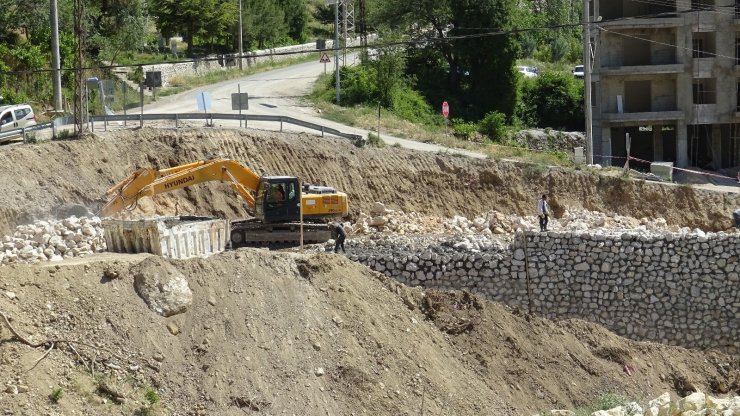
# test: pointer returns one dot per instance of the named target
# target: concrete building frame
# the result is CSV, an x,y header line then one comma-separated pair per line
x,y
667,73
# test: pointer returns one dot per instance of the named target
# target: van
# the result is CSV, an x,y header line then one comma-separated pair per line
x,y
14,117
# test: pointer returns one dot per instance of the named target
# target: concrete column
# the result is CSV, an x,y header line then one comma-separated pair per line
x,y
716,141
657,143
606,145
682,145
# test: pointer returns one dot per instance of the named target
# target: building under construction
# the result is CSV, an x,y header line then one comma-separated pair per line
x,y
665,72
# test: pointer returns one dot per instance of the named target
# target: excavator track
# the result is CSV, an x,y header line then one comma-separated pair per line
x,y
252,233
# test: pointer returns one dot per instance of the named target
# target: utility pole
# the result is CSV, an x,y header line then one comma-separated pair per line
x,y
336,46
241,45
587,79
55,61
79,11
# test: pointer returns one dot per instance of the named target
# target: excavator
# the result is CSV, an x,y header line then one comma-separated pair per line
x,y
277,203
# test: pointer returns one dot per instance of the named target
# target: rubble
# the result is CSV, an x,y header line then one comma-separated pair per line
x,y
53,240
387,221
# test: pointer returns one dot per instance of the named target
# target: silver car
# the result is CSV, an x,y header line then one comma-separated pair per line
x,y
14,117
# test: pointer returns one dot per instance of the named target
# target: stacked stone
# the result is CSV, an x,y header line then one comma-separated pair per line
x,y
53,240
677,288
380,219
694,404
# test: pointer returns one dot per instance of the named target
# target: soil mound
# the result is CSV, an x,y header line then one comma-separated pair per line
x,y
274,333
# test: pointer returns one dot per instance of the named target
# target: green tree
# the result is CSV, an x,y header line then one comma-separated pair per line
x,y
264,23
553,99
116,26
296,18
478,69
208,19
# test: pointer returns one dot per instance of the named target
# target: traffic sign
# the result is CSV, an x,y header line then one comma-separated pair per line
x,y
445,109
324,58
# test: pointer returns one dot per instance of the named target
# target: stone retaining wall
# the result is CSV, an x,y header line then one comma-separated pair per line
x,y
681,289
214,63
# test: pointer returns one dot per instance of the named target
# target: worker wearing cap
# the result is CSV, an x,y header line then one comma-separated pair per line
x,y
341,236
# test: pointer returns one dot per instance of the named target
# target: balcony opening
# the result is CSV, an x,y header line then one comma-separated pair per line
x,y
636,51
737,96
637,96
704,45
737,8
704,91
616,9
702,4
737,49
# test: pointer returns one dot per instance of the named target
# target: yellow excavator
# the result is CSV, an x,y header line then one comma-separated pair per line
x,y
275,202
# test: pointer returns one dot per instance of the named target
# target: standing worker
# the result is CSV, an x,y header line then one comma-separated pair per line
x,y
736,216
543,211
341,236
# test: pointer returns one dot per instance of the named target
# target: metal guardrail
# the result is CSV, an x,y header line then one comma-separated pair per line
x,y
208,117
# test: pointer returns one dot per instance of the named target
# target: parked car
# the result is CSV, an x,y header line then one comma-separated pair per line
x,y
15,116
578,71
528,71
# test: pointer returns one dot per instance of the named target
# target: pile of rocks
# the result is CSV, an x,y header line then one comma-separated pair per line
x,y
53,240
693,405
384,220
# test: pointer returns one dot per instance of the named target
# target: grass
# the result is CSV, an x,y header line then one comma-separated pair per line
x,y
366,117
56,395
605,401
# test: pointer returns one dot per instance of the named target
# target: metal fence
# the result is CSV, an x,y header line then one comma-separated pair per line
x,y
207,117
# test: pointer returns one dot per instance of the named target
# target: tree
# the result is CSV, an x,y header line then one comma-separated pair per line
x,y
478,68
190,18
264,23
553,99
296,18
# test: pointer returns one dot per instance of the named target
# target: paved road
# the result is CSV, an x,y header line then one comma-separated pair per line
x,y
277,92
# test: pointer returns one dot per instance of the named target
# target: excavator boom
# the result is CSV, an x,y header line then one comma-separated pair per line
x,y
150,182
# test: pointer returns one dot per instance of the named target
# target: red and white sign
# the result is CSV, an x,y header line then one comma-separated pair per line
x,y
324,59
445,109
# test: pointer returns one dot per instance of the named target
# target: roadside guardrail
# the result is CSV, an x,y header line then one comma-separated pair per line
x,y
177,117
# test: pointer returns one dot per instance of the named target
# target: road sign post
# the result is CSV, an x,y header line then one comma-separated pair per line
x,y
446,113
324,60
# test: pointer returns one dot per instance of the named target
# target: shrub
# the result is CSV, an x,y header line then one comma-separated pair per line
x,y
374,140
493,125
464,129
151,396
410,105
56,395
554,99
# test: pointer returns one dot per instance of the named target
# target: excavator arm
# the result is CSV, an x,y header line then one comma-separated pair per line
x,y
150,182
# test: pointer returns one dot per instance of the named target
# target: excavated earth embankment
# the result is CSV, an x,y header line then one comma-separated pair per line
x,y
39,180
312,334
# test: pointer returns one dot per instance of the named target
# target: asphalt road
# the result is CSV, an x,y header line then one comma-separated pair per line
x,y
276,92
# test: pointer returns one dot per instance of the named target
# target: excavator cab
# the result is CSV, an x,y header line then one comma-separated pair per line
x,y
278,199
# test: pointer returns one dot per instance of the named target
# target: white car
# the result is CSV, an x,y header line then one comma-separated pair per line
x,y
16,116
527,71
578,71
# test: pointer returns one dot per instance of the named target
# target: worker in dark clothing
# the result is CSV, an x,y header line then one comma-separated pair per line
x,y
341,236
736,216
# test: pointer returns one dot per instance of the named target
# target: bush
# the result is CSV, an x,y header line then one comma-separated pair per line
x,y
554,100
464,129
358,85
493,125
374,140
410,105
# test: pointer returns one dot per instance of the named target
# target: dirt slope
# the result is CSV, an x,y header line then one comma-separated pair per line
x,y
38,179
262,324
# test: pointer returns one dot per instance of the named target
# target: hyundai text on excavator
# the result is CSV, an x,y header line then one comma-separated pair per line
x,y
275,202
